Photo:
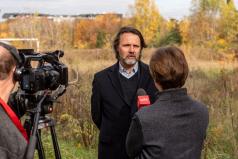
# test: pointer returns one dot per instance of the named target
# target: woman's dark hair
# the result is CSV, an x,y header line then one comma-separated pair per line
x,y
127,29
169,67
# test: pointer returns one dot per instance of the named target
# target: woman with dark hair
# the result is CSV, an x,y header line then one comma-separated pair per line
x,y
174,127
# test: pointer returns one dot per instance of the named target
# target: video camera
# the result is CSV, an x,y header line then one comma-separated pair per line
x,y
42,79
49,74
38,73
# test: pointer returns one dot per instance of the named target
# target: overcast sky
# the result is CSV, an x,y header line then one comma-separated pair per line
x,y
168,8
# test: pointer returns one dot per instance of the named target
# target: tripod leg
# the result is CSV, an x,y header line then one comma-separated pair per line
x,y
40,147
55,142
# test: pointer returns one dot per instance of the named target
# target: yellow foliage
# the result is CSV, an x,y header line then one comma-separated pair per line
x,y
146,18
86,30
79,145
4,30
184,30
109,22
3,35
217,131
171,24
229,21
85,33
222,43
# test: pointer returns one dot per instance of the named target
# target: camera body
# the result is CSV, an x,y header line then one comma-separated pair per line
x,y
48,74
37,75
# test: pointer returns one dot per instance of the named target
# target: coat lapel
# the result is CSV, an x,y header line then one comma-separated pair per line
x,y
114,77
143,75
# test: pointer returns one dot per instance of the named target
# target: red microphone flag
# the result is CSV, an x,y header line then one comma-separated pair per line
x,y
142,98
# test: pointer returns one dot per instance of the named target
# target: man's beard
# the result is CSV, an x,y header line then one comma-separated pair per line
x,y
129,61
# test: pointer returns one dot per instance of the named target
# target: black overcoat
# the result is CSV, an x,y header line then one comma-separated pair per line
x,y
112,113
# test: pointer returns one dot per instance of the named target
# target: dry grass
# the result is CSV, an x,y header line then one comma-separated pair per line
x,y
211,81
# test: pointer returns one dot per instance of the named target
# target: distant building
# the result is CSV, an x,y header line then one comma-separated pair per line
x,y
56,18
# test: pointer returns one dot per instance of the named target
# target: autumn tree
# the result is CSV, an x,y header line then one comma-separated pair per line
x,y
203,19
172,34
214,23
184,26
4,30
228,27
51,34
97,32
146,18
108,24
85,34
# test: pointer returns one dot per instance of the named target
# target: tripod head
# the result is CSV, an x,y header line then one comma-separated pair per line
x,y
38,120
25,103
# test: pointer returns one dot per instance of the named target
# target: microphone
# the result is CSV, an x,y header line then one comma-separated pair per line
x,y
142,98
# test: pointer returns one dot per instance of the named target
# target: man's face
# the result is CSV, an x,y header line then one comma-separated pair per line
x,y
129,49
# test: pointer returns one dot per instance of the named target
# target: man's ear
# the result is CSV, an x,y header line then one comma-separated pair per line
x,y
13,72
117,49
14,69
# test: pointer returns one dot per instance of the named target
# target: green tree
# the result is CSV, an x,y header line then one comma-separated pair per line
x,y
173,36
101,39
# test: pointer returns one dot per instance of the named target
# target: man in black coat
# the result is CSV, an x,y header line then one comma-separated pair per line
x,y
174,127
113,101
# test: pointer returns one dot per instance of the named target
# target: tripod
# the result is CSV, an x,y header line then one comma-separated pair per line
x,y
33,125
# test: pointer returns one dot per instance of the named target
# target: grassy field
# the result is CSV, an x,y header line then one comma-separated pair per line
x,y
211,80
69,149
